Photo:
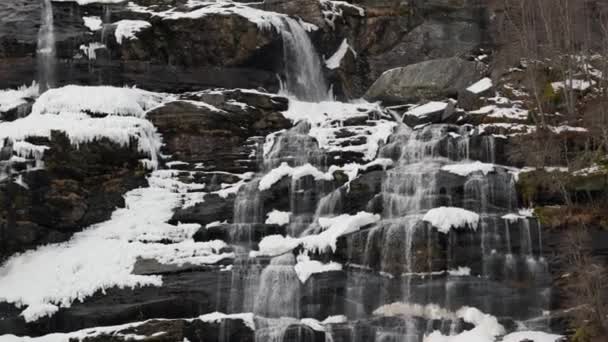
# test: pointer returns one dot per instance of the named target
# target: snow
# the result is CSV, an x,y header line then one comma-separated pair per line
x,y
336,319
334,227
428,108
263,19
533,336
580,85
306,267
93,23
480,86
446,218
336,59
285,170
103,255
11,98
486,328
278,217
466,169
217,317
81,128
326,120
98,99
87,2
460,272
128,29
272,245
90,50
429,311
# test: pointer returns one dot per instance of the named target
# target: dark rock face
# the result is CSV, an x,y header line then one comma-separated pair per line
x,y
80,186
426,80
230,51
218,137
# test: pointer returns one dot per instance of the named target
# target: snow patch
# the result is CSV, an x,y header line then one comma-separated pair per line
x,y
469,168
128,29
336,59
278,217
446,218
480,86
306,267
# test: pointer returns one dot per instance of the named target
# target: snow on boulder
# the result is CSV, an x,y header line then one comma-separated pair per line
x,y
98,100
336,227
284,170
128,29
428,109
486,328
93,23
278,217
430,112
578,85
481,86
333,228
276,244
531,336
12,98
335,60
306,267
218,317
466,169
446,218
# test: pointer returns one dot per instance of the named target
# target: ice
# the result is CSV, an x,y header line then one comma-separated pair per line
x,y
98,100
285,170
11,98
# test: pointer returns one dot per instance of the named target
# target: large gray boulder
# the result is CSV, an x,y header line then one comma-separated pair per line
x,y
434,79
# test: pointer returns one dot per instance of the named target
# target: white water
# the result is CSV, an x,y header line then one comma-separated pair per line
x,y
303,72
45,52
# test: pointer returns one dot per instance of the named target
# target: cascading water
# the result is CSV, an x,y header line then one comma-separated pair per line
x,y
45,52
303,72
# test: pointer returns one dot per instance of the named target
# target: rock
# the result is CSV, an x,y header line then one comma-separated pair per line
x,y
214,208
218,137
429,80
308,10
80,186
429,113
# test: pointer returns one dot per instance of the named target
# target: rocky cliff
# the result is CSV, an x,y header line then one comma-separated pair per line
x,y
310,170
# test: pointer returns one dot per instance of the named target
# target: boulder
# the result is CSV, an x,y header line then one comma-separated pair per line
x,y
429,80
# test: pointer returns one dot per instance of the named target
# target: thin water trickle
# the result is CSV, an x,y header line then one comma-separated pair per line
x,y
45,52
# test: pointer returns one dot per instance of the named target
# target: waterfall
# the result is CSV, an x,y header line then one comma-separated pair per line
x,y
303,72
45,53
279,289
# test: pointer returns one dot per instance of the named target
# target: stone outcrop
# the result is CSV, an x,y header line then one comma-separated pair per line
x,y
428,80
78,187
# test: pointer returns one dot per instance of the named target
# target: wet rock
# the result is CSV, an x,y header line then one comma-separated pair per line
x,y
433,79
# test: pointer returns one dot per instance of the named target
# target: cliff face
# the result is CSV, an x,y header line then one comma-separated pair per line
x,y
295,170
230,51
